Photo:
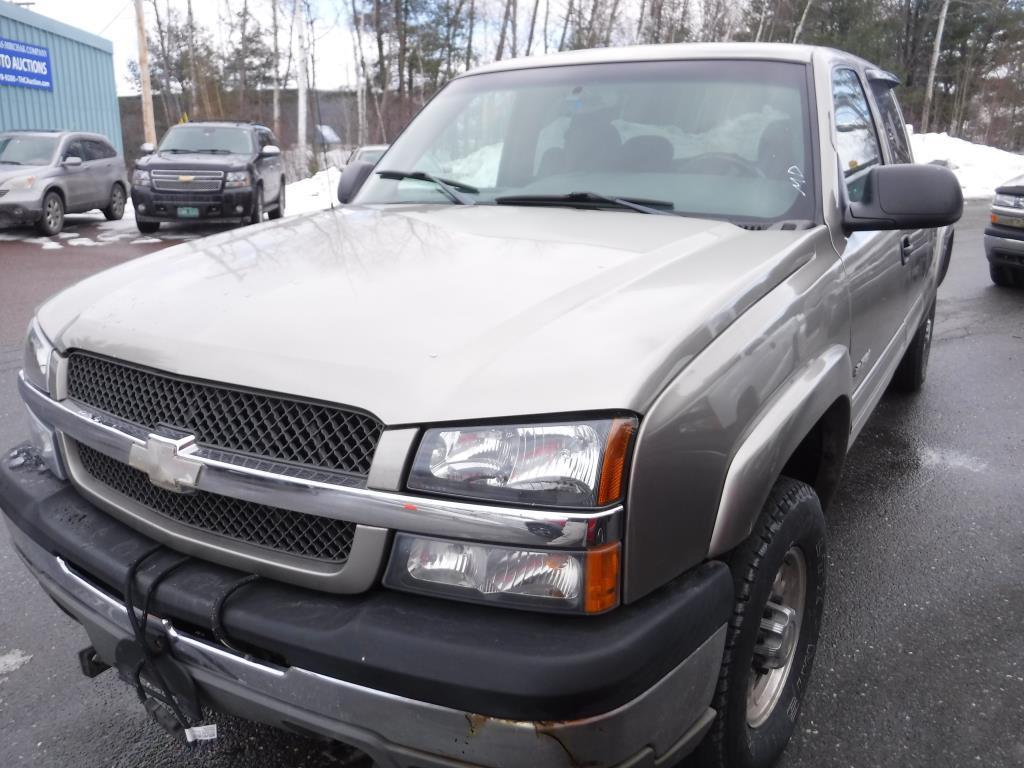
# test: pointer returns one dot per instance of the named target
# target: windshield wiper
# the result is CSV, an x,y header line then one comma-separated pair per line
x,y
448,187
11,162
591,200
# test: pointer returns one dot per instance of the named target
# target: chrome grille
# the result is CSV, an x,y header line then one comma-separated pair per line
x,y
187,181
268,426
293,533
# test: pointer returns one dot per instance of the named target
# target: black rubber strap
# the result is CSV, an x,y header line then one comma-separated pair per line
x,y
216,622
139,629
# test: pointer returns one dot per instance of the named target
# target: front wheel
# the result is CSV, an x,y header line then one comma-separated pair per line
x,y
52,220
115,208
278,212
1002,276
147,227
779,578
913,368
257,207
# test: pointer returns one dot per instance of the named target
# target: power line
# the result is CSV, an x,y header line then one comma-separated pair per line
x,y
116,17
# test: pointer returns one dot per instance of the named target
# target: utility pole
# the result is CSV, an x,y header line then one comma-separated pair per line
x,y
936,49
300,12
277,73
192,76
148,124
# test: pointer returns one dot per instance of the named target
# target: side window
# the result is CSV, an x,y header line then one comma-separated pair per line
x,y
856,139
892,123
75,148
264,138
94,150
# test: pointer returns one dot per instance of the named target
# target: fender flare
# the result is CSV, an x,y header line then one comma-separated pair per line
x,y
790,415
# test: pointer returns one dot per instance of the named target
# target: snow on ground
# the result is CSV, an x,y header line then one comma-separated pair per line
x,y
980,168
314,193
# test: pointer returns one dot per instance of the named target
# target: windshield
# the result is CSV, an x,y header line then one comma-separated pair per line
x,y
207,138
17,149
725,139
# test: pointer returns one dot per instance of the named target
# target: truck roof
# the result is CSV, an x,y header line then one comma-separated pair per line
x,y
670,52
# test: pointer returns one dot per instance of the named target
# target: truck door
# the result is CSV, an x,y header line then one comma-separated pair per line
x,y
873,262
917,246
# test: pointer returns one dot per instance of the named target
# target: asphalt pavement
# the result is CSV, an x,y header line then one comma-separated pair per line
x,y
921,658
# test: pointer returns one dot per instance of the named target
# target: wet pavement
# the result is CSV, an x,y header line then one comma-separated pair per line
x,y
921,659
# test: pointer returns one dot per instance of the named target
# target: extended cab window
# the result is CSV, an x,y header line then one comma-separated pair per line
x,y
856,139
892,123
724,139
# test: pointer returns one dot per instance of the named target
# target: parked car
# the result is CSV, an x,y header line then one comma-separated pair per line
x,y
47,174
371,153
210,172
521,456
1004,237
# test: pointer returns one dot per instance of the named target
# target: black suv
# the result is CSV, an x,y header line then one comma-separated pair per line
x,y
212,172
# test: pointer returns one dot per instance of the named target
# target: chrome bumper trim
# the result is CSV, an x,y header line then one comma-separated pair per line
x,y
313,493
656,728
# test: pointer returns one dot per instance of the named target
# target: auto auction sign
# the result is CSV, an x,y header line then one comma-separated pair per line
x,y
25,66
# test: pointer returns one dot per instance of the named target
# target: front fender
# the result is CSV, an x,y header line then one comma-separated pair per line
x,y
784,422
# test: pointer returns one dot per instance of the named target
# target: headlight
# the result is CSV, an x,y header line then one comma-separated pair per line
x,y
140,178
577,582
21,182
568,464
237,179
1010,201
36,366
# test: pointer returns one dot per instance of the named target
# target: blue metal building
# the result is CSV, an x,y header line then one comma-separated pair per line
x,y
55,77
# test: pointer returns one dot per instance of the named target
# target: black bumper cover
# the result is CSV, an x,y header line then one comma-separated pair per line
x,y
163,206
497,662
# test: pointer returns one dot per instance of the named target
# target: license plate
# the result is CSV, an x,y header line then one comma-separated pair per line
x,y
188,213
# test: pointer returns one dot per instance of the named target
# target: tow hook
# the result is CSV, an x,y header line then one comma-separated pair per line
x,y
90,662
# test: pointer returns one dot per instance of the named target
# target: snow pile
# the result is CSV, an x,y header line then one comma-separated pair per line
x,y
313,194
980,169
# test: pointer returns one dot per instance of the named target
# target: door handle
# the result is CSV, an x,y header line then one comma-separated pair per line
x,y
905,249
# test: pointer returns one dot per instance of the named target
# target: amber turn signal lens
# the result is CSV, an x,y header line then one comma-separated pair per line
x,y
602,579
614,467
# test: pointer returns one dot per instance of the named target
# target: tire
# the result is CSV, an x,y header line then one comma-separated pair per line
x,y
751,731
947,255
147,227
118,199
257,207
52,220
913,368
278,212
1003,277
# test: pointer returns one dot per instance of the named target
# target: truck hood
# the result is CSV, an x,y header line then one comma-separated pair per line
x,y
435,313
197,160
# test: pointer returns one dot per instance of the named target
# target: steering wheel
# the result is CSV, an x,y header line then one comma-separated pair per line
x,y
708,162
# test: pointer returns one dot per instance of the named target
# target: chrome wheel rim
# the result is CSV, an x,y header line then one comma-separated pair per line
x,y
54,214
778,637
117,201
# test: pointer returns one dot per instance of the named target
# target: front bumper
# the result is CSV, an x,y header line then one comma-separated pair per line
x,y
410,681
20,207
1004,246
226,205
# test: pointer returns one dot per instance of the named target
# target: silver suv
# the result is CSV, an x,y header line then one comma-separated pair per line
x,y
519,458
44,175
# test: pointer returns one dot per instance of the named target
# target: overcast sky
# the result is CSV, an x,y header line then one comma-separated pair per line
x,y
115,20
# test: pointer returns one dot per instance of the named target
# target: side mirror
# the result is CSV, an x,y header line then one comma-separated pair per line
x,y
352,178
71,161
906,197
147,148
270,151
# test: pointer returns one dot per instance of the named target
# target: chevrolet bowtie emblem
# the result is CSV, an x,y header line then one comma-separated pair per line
x,y
186,178
166,462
